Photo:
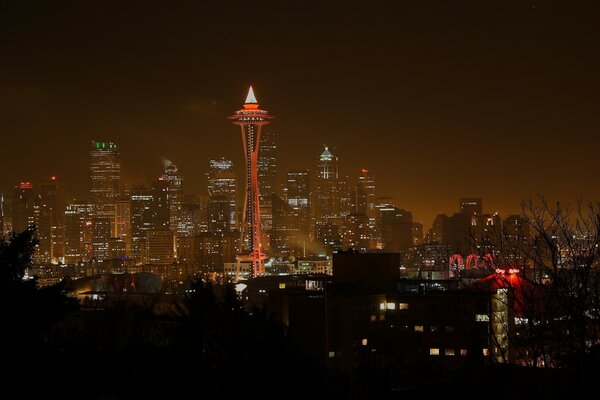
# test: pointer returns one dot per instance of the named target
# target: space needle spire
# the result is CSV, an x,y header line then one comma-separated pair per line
x,y
251,119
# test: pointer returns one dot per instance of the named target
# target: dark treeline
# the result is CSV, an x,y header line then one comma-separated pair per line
x,y
207,347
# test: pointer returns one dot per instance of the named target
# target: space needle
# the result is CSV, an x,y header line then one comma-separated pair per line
x,y
251,120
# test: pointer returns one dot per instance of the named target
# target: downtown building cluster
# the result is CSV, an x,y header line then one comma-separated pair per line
x,y
309,216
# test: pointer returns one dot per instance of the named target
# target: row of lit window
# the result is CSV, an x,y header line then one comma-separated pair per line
x,y
434,351
392,306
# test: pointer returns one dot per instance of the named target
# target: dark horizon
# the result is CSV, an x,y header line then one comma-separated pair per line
x,y
439,101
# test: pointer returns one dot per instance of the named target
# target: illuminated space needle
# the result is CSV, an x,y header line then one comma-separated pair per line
x,y
251,119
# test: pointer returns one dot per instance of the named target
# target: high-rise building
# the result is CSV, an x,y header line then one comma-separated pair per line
x,y
159,247
219,214
208,251
327,210
285,240
51,199
365,204
396,228
222,183
417,233
142,200
251,120
105,172
365,194
173,178
161,212
298,197
327,187
193,216
78,232
470,206
101,237
267,177
123,222
346,197
23,207
355,234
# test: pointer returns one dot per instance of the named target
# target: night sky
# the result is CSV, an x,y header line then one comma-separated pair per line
x,y
440,100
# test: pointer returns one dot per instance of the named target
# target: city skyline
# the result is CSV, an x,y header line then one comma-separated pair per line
x,y
483,110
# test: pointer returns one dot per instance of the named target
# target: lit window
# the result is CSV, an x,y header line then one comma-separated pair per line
x,y
365,342
449,352
331,354
373,318
403,306
486,352
382,317
391,306
482,317
463,352
382,306
434,352
282,286
449,328
419,328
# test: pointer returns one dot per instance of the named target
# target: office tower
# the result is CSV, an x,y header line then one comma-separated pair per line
x,y
142,200
365,194
159,247
470,206
298,197
219,214
189,221
51,207
105,172
123,222
355,233
327,221
516,227
365,204
23,207
396,228
78,232
174,180
267,177
208,251
285,240
251,120
417,233
74,223
346,197
101,237
487,231
161,212
327,187
328,234
222,182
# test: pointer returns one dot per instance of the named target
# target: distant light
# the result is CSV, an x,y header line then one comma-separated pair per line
x,y
53,177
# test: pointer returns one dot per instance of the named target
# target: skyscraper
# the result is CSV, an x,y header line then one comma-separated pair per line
x,y
470,206
327,208
267,177
222,183
251,120
23,204
365,204
105,172
174,180
142,200
52,205
298,197
78,232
